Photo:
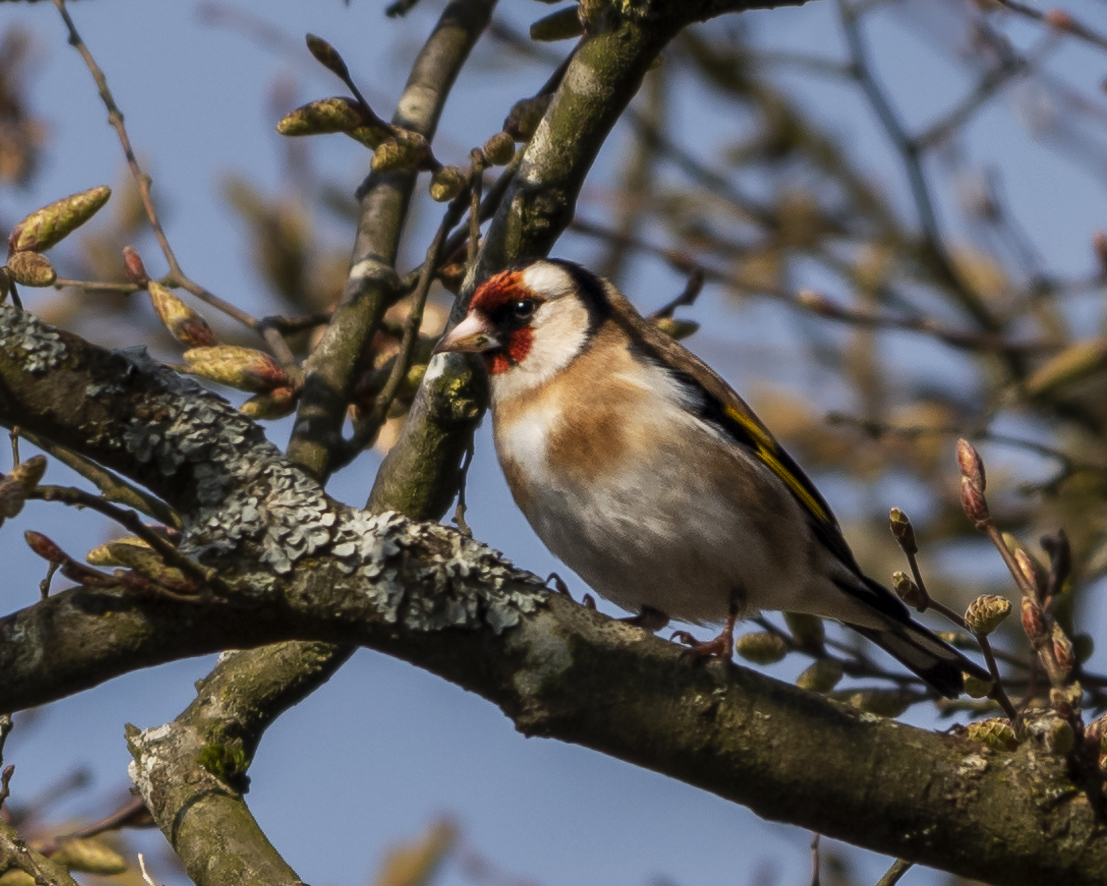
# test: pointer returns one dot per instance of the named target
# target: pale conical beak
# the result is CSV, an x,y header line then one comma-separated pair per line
x,y
471,336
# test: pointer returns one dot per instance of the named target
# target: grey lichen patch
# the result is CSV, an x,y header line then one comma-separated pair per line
x,y
466,585
36,346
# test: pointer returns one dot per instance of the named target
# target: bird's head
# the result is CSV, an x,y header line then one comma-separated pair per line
x,y
530,321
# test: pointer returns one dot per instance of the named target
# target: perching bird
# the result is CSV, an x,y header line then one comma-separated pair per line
x,y
646,474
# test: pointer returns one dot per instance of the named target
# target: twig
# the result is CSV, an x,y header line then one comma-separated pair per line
x,y
688,297
818,304
130,520
463,477
895,872
910,150
143,181
369,428
111,486
5,728
815,859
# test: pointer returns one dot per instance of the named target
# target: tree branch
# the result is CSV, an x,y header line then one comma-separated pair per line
x,y
300,566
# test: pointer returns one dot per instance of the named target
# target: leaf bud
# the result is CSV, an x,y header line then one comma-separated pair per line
x,y
903,531
273,404
1073,364
762,647
1034,622
1028,569
986,613
807,630
525,115
405,150
243,368
561,25
499,150
45,547
447,182
29,472
183,323
327,55
996,733
676,329
976,687
972,466
822,676
102,555
13,495
31,269
43,228
908,591
336,114
1063,652
89,856
882,702
973,502
134,267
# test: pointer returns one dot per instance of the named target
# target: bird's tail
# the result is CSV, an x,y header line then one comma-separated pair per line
x,y
918,649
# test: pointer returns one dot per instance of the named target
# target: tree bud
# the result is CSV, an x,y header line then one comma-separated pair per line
x,y
903,531
973,502
996,733
273,404
447,182
327,55
1034,622
242,368
134,268
45,547
499,150
986,613
908,591
183,323
807,630
525,115
822,676
31,269
43,228
561,25
405,150
762,647
972,466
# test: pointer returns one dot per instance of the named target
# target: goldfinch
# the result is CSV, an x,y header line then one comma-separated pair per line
x,y
647,475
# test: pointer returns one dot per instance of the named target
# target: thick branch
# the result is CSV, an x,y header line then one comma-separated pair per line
x,y
373,285
302,567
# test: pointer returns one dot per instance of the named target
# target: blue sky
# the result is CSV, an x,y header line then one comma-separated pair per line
x,y
384,748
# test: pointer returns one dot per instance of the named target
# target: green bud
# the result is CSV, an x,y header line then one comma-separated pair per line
x,y
273,404
447,182
761,648
996,733
405,150
236,367
42,229
561,25
499,150
822,676
986,613
31,269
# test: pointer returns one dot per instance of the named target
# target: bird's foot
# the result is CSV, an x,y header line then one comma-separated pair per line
x,y
648,618
721,647
559,585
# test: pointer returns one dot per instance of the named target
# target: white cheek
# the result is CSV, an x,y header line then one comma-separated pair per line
x,y
560,330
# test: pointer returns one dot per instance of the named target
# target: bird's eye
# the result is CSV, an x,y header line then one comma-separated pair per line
x,y
523,309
